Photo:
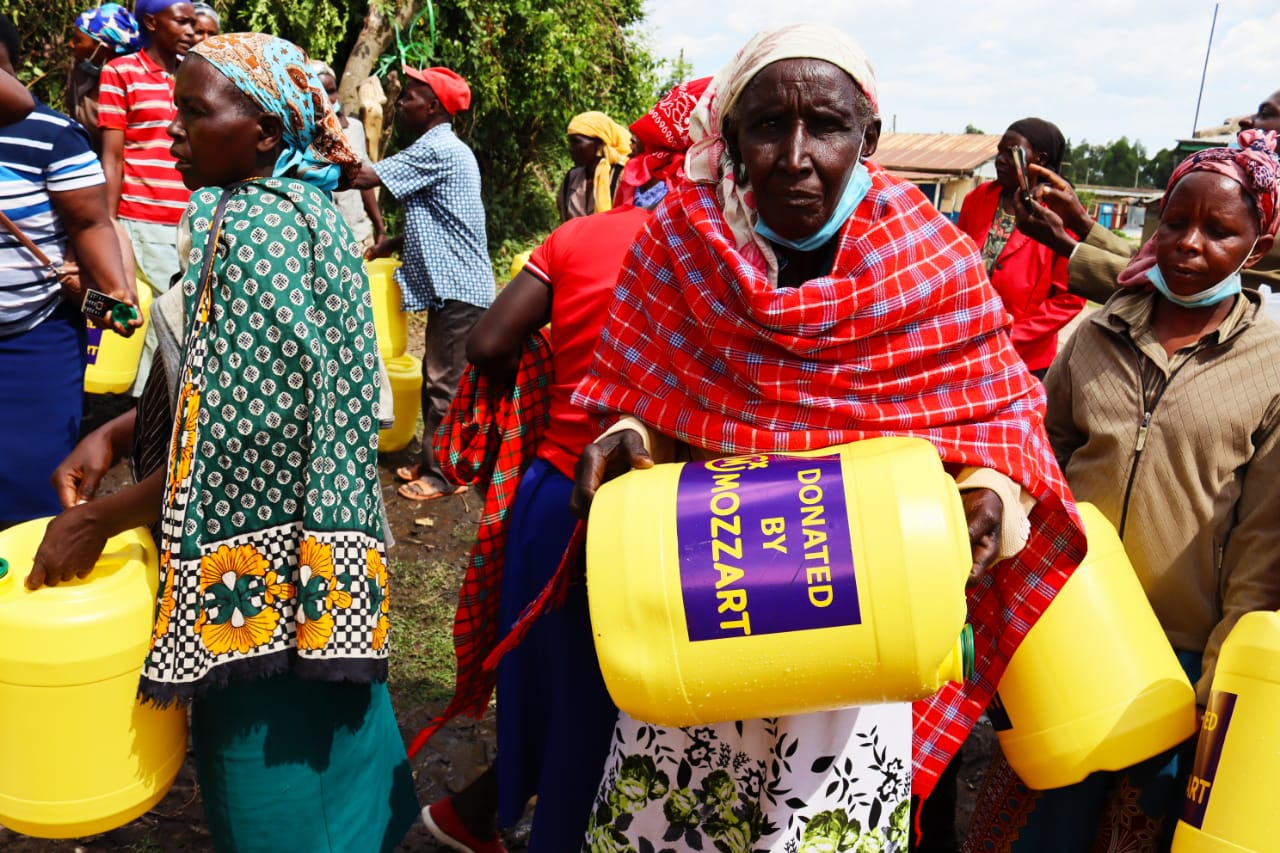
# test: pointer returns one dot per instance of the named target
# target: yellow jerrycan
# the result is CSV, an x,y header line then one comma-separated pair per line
x,y
405,375
79,754
1232,803
518,262
389,320
771,584
1095,684
112,359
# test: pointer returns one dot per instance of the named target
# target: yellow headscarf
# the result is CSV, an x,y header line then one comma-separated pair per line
x,y
617,146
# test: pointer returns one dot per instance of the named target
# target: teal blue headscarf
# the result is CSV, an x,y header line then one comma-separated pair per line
x,y
276,76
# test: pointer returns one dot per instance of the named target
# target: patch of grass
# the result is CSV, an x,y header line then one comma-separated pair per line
x,y
424,597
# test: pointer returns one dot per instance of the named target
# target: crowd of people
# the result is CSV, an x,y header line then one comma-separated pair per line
x,y
734,274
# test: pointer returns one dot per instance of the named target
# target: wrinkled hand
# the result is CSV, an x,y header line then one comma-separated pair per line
x,y
71,546
984,512
603,460
1044,226
1053,191
77,477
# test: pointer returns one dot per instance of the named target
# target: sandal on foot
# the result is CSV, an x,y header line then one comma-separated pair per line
x,y
408,473
422,490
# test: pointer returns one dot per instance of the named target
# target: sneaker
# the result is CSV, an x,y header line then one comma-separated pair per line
x,y
445,826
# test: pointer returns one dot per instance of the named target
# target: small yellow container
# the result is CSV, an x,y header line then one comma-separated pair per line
x,y
113,360
405,374
1231,800
518,262
1095,684
774,584
389,319
79,754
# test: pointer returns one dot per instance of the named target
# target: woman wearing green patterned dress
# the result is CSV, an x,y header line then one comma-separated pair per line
x,y
272,613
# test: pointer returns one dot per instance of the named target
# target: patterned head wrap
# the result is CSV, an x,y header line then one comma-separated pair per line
x,y
1253,166
142,8
274,73
617,145
664,130
112,26
708,159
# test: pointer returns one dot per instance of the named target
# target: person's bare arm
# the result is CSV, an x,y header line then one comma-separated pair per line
x,y
367,179
15,101
523,307
370,199
113,167
93,238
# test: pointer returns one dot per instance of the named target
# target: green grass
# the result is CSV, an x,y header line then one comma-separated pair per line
x,y
424,595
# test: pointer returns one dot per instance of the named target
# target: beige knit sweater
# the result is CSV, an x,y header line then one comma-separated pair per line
x,y
1198,488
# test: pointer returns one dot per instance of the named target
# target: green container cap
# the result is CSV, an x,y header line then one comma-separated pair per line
x,y
124,314
966,650
4,567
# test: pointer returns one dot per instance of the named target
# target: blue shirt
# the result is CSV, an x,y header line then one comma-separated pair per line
x,y
446,252
45,152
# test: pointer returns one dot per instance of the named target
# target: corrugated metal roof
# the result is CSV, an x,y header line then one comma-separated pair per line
x,y
935,152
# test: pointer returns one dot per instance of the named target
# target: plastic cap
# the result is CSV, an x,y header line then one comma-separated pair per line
x,y
124,314
4,567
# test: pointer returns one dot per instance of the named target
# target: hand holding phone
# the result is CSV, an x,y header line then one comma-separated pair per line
x,y
121,316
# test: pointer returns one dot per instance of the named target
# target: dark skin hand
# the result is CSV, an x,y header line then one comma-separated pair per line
x,y
96,248
1054,214
77,477
619,452
76,538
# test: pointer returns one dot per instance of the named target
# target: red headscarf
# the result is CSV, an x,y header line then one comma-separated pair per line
x,y
450,89
664,132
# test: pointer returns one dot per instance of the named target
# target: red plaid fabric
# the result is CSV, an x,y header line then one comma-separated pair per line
x,y
906,337
488,435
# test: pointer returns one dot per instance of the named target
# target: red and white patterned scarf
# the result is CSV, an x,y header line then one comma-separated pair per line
x,y
905,337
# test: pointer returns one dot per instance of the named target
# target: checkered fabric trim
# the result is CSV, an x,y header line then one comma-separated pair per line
x,y
488,435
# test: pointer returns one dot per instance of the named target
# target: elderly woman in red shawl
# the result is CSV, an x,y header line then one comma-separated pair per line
x,y
793,295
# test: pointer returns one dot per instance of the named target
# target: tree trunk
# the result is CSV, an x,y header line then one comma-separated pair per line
x,y
375,36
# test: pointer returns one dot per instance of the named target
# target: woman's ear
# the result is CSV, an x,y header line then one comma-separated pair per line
x,y
1260,249
270,132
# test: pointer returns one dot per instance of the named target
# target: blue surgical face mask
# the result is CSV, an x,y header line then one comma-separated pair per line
x,y
856,187
1224,289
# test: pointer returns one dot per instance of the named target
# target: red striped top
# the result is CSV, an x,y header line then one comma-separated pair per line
x,y
136,96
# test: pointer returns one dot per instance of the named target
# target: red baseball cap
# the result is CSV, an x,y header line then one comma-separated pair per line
x,y
450,89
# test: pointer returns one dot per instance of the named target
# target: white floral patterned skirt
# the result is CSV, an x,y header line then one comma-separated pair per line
x,y
815,783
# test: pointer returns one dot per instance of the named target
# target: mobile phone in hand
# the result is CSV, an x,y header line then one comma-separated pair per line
x,y
98,304
1020,167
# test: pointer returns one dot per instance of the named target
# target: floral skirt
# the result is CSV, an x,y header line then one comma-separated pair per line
x,y
838,780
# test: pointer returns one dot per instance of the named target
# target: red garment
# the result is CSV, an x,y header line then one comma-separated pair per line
x,y
1030,278
580,263
135,95
487,437
904,338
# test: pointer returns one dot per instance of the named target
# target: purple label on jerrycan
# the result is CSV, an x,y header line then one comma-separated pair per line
x,y
1213,734
764,546
95,343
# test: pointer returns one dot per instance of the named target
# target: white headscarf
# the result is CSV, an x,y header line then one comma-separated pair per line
x,y
708,158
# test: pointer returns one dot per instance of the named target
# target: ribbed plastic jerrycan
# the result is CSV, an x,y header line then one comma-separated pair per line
x,y
771,584
113,360
1233,795
1095,684
405,374
389,320
79,754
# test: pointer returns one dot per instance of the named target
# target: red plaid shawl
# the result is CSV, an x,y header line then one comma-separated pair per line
x,y
488,435
907,337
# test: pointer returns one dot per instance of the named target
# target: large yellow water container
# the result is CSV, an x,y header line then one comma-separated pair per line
x,y
1095,684
79,754
1231,798
405,374
113,360
389,319
518,262
773,584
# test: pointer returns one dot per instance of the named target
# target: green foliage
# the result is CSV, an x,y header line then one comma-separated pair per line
x,y
969,128
323,28
45,26
1117,164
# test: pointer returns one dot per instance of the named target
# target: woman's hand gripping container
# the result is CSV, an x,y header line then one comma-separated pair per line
x,y
405,375
389,320
781,583
112,360
1231,803
79,753
1095,684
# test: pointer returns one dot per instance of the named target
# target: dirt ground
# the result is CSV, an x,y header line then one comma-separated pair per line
x,y
455,755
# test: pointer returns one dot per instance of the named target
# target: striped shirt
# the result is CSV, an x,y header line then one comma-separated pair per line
x,y
45,152
136,96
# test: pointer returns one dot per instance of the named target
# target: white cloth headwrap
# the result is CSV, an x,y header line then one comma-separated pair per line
x,y
708,160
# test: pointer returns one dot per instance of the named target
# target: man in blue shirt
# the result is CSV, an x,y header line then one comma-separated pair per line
x,y
444,249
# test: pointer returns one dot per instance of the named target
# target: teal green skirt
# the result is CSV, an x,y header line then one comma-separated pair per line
x,y
287,764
